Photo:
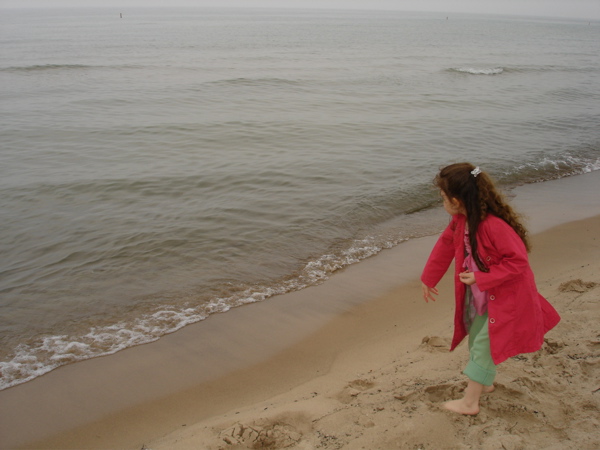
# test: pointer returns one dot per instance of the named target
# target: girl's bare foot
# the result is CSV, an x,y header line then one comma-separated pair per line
x,y
489,389
469,404
461,407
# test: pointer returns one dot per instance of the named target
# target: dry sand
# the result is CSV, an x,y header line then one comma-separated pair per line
x,y
307,371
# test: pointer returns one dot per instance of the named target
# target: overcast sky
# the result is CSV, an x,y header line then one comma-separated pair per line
x,y
586,9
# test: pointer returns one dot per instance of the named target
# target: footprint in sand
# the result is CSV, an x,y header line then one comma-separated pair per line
x,y
361,385
443,392
353,389
577,285
435,344
530,384
265,433
552,347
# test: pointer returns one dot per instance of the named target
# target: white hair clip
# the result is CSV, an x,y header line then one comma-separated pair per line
x,y
475,172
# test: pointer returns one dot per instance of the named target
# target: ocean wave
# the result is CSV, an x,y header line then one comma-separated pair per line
x,y
44,67
479,71
266,81
29,361
553,68
552,167
72,67
469,70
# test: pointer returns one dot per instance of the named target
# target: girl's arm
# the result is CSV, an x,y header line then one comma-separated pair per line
x,y
439,260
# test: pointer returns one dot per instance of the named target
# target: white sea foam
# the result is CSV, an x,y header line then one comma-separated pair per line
x,y
480,71
558,166
51,352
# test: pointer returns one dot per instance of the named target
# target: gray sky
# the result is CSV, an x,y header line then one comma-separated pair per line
x,y
585,9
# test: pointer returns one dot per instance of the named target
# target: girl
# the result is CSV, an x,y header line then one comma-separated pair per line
x,y
497,302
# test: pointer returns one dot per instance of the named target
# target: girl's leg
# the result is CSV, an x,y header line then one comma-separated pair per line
x,y
481,369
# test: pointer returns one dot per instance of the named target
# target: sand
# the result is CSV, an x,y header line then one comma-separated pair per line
x,y
310,371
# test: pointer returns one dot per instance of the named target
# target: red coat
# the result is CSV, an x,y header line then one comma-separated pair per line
x,y
518,315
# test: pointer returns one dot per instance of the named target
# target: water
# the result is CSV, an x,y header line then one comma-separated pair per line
x,y
168,165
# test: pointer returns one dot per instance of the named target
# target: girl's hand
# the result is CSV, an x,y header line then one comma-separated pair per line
x,y
428,292
467,277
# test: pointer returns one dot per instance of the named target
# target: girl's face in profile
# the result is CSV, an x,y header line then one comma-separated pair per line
x,y
451,205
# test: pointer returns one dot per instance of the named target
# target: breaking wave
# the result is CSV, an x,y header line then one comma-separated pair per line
x,y
50,352
479,71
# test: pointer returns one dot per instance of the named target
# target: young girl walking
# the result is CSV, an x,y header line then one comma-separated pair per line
x,y
497,302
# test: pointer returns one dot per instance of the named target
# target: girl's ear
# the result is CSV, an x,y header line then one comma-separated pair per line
x,y
458,205
455,202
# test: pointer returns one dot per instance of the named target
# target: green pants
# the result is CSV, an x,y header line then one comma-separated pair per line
x,y
481,367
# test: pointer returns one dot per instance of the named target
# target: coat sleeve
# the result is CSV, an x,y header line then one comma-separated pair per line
x,y
440,258
509,259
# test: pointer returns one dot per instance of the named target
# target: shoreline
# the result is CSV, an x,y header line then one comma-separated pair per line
x,y
256,352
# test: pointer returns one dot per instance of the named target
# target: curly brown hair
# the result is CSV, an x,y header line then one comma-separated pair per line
x,y
479,196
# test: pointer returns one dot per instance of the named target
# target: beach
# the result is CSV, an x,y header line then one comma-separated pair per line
x,y
360,361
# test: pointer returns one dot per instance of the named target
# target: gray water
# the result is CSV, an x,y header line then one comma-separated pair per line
x,y
170,164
